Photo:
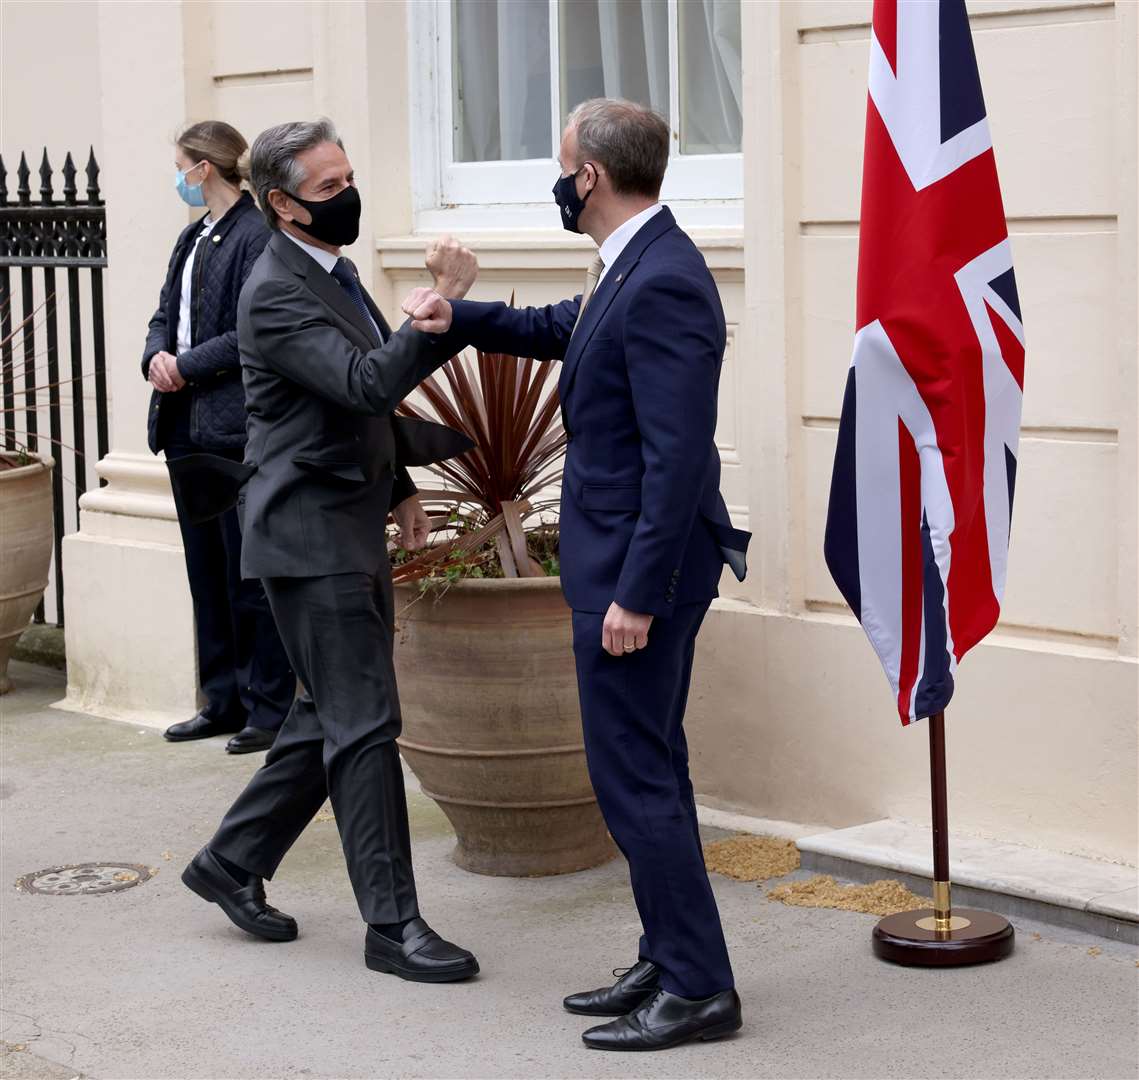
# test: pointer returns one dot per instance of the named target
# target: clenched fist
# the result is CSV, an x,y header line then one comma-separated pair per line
x,y
429,312
453,267
413,523
624,631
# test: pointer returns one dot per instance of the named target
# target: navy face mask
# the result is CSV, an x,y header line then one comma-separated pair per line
x,y
569,201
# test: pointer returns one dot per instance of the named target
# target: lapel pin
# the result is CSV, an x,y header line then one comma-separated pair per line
x,y
619,277
217,239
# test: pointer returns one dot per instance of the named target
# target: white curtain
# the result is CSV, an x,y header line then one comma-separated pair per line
x,y
614,48
501,80
608,48
711,119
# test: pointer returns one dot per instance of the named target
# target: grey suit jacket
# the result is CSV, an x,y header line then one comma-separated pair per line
x,y
320,390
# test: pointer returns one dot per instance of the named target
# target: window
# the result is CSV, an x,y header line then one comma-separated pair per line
x,y
510,72
500,80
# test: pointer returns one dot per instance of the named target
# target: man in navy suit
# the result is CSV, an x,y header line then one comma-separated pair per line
x,y
644,538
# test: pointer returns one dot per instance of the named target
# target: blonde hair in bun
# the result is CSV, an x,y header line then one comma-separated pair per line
x,y
219,143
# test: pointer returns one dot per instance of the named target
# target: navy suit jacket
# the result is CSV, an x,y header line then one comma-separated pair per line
x,y
642,518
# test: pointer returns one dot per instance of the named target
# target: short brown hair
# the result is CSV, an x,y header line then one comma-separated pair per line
x,y
630,140
219,143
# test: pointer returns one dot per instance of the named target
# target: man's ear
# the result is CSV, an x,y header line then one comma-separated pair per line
x,y
281,204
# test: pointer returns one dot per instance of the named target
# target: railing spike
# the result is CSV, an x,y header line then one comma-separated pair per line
x,y
46,188
92,179
70,191
3,182
23,187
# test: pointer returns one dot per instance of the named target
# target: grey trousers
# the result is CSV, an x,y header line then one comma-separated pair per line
x,y
338,740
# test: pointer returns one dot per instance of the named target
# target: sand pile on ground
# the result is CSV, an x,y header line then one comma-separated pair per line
x,y
752,858
760,858
822,891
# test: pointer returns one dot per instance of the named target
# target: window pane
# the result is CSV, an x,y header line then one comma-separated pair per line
x,y
710,85
614,48
501,66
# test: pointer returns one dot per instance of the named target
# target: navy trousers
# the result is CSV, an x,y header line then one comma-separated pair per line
x,y
243,669
632,710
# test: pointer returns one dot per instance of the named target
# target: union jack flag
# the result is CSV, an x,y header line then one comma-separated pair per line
x,y
921,496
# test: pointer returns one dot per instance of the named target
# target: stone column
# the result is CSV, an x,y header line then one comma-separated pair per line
x,y
769,330
129,620
360,82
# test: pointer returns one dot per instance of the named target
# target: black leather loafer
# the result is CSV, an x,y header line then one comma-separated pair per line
x,y
422,955
249,740
244,904
200,727
634,986
668,1020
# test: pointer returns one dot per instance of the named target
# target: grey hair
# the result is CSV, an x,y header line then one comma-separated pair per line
x,y
630,140
273,158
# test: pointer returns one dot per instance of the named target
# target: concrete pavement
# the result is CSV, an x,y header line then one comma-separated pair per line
x,y
152,983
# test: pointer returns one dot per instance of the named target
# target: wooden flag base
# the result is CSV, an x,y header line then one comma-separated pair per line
x,y
940,936
911,938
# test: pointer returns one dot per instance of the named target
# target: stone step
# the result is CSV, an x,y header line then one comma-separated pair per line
x,y
1065,890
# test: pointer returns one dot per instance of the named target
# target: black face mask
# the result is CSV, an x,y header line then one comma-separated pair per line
x,y
569,201
335,221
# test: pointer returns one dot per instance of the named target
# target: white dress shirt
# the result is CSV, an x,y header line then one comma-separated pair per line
x,y
185,333
325,258
619,238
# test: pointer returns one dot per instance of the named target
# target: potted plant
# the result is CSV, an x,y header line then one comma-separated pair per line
x,y
491,723
27,529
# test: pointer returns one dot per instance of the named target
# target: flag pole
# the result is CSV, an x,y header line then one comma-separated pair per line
x,y
937,937
942,909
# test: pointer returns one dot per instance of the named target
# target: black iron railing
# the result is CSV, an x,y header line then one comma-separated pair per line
x,y
66,241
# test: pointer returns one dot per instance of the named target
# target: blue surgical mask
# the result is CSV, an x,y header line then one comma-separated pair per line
x,y
191,193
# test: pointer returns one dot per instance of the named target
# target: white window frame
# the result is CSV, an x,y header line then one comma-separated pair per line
x,y
448,194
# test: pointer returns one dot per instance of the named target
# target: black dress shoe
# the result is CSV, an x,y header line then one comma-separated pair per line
x,y
634,986
200,727
668,1020
244,904
249,740
422,955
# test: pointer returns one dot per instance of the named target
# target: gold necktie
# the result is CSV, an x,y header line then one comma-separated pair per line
x,y
591,276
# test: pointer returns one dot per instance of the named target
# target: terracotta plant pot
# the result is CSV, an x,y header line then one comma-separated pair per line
x,y
26,533
491,725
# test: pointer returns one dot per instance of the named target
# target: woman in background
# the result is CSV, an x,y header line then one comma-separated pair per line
x,y
198,405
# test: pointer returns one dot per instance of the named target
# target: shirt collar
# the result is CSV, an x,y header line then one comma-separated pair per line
x,y
619,238
324,259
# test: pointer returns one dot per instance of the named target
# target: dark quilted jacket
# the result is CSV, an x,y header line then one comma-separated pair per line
x,y
210,366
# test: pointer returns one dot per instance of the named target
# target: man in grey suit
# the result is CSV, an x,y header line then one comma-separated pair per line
x,y
327,463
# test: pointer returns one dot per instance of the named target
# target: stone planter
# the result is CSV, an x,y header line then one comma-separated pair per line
x,y
491,725
26,533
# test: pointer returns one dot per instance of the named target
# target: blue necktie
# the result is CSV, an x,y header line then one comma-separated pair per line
x,y
346,278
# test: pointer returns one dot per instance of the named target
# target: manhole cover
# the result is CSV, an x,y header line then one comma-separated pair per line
x,y
84,879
